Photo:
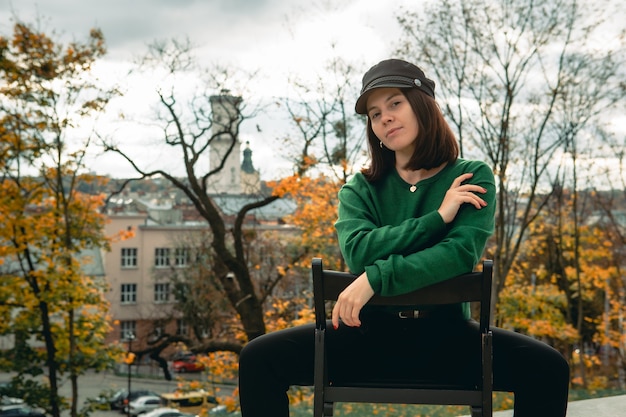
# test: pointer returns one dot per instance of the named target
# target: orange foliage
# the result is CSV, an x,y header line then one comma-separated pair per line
x,y
536,312
48,224
562,268
315,216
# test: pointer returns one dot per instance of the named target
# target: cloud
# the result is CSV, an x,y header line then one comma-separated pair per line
x,y
279,39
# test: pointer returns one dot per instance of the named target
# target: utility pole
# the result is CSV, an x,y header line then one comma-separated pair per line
x,y
130,358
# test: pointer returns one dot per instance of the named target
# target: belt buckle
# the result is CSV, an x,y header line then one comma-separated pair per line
x,y
411,314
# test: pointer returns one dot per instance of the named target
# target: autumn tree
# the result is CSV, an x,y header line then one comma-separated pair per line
x,y
610,218
567,270
609,200
192,121
326,135
50,233
326,141
198,294
518,81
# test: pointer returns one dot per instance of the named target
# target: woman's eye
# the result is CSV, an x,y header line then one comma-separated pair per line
x,y
374,115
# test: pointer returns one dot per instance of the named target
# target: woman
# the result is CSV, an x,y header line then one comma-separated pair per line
x,y
417,215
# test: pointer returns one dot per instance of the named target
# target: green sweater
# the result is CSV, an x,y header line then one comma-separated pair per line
x,y
398,237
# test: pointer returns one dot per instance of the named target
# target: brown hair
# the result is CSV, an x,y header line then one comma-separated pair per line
x,y
435,142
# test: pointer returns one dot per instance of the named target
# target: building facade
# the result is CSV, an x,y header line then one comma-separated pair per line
x,y
161,226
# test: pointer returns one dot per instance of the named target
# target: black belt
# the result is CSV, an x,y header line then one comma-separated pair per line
x,y
414,314
442,312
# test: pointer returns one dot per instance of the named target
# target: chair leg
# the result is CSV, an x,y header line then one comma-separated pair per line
x,y
328,409
477,412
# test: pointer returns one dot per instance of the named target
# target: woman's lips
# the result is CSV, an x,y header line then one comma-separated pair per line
x,y
391,132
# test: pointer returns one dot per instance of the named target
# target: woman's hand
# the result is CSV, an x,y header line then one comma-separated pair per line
x,y
459,194
351,301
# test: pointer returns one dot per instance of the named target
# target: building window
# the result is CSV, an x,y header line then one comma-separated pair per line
x,y
181,292
162,292
129,258
201,255
161,257
128,330
129,294
158,331
181,257
181,328
205,333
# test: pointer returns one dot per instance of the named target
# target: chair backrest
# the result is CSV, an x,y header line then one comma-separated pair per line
x,y
469,287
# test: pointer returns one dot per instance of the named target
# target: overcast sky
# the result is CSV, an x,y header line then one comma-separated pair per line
x,y
232,29
280,38
277,37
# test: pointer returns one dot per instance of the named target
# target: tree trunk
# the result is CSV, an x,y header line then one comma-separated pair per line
x,y
51,359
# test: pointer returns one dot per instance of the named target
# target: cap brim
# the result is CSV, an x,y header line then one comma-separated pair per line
x,y
361,103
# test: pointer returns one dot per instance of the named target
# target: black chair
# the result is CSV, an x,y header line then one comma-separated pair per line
x,y
470,287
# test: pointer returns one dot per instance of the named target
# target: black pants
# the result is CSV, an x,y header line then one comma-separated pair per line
x,y
396,349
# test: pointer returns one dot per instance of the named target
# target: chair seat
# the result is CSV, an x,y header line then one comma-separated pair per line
x,y
429,395
405,384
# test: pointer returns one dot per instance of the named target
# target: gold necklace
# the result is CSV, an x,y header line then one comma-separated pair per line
x,y
412,188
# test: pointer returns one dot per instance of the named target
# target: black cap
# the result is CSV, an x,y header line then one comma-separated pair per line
x,y
393,73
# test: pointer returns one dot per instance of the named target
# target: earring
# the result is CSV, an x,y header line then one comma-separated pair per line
x,y
381,144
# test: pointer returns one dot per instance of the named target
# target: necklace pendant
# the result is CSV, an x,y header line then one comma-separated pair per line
x,y
412,188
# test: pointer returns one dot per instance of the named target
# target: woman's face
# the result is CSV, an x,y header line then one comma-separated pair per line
x,y
393,120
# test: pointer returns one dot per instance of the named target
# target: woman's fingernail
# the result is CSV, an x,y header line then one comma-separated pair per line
x,y
335,326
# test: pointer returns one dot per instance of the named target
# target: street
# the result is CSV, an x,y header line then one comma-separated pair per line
x,y
92,384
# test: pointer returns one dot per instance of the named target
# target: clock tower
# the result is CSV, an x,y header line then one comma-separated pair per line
x,y
235,176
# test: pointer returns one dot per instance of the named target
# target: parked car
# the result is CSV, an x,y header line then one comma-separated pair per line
x,y
187,364
20,410
181,355
167,412
116,400
220,410
120,399
5,394
193,402
143,404
5,400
